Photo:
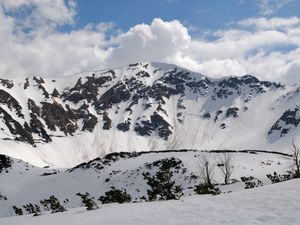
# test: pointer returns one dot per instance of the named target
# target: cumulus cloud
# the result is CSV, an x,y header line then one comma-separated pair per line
x,y
267,51
31,44
158,41
266,47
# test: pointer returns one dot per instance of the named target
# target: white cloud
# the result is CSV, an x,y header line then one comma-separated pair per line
x,y
273,23
267,52
158,41
269,7
270,51
293,73
42,12
33,45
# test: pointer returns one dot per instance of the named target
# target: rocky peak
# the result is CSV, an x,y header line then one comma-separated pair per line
x,y
153,101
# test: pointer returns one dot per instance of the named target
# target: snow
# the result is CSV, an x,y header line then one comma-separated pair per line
x,y
23,183
276,204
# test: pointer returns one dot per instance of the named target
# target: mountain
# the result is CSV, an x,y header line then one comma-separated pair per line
x,y
142,107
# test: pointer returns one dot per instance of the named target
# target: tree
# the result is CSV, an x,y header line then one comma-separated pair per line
x,y
226,166
296,158
207,169
162,185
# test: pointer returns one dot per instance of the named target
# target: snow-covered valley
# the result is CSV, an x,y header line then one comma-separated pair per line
x,y
23,184
276,204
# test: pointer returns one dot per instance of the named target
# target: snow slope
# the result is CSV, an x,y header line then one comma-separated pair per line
x,y
276,204
22,183
142,107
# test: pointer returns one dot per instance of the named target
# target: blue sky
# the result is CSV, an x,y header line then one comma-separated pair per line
x,y
216,38
199,14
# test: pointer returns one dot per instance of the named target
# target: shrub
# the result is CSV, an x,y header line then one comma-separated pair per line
x,y
276,178
115,195
202,189
2,197
32,209
251,182
52,204
88,201
18,211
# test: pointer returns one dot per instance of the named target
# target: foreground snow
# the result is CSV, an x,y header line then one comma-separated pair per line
x,y
23,183
272,204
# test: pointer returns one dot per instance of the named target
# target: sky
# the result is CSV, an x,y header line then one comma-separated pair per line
x,y
213,37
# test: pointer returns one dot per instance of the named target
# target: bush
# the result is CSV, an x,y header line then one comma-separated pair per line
x,y
2,197
18,211
276,178
115,195
52,204
88,201
202,189
32,209
251,182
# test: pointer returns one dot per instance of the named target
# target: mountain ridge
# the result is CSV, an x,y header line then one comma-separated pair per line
x,y
143,106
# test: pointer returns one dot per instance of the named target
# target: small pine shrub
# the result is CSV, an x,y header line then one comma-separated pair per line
x,y
88,201
203,189
161,184
115,195
18,211
2,197
52,204
251,182
32,209
276,178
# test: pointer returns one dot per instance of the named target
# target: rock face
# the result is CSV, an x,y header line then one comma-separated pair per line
x,y
146,106
290,119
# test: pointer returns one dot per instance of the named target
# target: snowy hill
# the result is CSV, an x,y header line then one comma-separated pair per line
x,y
22,183
142,107
270,204
266,206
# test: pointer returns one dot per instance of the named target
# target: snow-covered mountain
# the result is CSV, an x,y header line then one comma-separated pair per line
x,y
141,107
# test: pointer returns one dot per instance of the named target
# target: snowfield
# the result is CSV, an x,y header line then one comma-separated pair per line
x,y
276,204
22,183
